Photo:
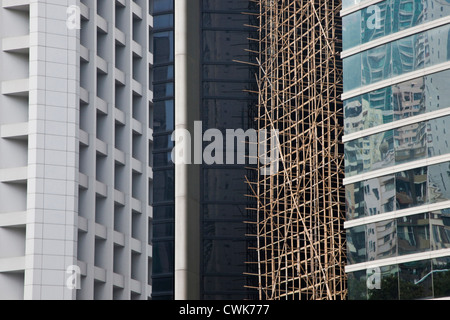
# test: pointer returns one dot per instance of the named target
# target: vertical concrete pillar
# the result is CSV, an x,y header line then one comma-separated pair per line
x,y
187,177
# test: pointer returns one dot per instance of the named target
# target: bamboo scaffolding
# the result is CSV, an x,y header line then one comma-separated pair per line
x,y
300,210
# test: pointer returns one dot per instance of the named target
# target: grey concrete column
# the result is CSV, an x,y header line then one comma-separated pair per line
x,y
187,177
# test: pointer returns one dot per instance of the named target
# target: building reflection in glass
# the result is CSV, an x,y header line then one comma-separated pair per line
x,y
423,279
413,234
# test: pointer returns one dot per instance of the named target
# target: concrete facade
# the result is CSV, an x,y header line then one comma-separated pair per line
x,y
75,170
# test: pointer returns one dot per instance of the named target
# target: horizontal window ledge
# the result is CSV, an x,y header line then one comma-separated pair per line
x,y
23,5
395,36
14,175
17,44
397,124
84,11
16,264
120,37
101,189
395,80
14,131
118,280
102,65
119,156
84,95
119,238
83,180
84,53
84,138
18,87
119,197
100,274
136,205
135,286
136,165
83,224
397,168
102,24
136,10
136,245
100,231
397,214
101,148
119,116
358,6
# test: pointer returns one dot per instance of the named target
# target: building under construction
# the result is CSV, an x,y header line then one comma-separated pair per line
x,y
300,209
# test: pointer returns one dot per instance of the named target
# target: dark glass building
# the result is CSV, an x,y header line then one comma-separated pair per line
x,y
226,102
397,156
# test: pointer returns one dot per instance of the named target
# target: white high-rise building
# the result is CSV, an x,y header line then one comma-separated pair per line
x,y
75,140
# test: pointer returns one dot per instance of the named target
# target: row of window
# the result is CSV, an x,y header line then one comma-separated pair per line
x,y
406,281
397,237
398,191
397,102
387,17
392,59
417,141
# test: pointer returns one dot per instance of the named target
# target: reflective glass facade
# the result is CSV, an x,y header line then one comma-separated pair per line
x,y
412,53
397,153
388,17
226,105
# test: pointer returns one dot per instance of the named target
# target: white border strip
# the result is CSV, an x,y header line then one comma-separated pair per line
x,y
397,168
397,124
358,7
398,260
396,80
395,36
397,214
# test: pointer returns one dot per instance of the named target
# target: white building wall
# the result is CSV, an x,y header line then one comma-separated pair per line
x,y
75,138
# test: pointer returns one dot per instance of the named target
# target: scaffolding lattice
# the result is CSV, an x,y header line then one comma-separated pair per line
x,y
300,251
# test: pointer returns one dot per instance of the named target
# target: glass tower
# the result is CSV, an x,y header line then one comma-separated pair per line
x,y
397,111
226,103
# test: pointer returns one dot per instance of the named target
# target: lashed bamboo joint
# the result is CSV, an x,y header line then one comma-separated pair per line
x,y
300,210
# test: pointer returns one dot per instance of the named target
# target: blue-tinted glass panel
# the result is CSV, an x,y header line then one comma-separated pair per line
x,y
351,30
163,116
162,5
352,74
164,47
376,64
163,21
163,73
388,17
402,56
